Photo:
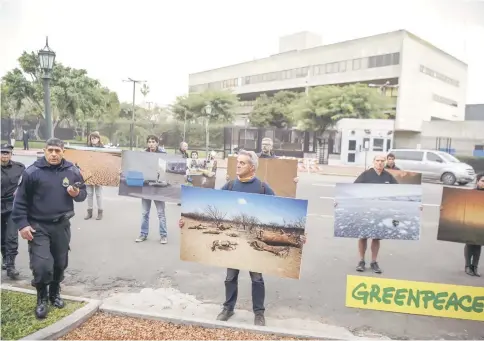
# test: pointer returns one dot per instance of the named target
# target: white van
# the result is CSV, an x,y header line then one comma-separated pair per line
x,y
434,165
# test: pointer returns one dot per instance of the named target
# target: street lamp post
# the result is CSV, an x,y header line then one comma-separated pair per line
x,y
131,127
46,61
208,111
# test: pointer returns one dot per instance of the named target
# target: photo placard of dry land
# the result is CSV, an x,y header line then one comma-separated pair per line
x,y
100,166
246,231
462,216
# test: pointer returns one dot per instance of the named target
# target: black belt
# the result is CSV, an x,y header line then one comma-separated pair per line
x,y
61,218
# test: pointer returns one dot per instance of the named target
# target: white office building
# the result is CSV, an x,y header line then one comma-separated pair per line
x,y
431,82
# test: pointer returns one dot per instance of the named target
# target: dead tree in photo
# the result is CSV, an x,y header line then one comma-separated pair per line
x,y
216,215
279,238
280,251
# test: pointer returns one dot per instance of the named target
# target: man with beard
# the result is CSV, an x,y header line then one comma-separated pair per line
x,y
11,173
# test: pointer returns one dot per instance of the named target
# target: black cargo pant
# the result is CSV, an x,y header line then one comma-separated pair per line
x,y
49,250
232,288
9,236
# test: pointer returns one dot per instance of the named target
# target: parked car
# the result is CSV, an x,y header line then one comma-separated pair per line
x,y
434,165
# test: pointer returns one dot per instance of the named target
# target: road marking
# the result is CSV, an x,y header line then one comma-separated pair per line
x,y
320,215
328,198
324,185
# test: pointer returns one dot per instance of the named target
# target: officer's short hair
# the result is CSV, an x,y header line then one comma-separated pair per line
x,y
54,142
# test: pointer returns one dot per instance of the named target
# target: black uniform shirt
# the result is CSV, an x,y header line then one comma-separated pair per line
x,y
42,193
370,176
11,174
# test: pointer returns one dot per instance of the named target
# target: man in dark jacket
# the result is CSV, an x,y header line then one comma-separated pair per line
x,y
391,162
11,173
247,182
43,205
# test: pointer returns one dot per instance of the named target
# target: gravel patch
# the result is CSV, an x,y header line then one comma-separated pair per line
x,y
104,326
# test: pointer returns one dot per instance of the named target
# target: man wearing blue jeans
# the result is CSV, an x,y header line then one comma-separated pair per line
x,y
153,146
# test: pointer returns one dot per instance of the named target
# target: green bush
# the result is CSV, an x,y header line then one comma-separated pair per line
x,y
475,162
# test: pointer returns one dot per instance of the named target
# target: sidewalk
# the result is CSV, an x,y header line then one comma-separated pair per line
x,y
30,152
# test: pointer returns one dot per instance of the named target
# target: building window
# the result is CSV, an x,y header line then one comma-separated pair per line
x,y
389,144
342,66
378,145
444,100
356,64
439,76
352,145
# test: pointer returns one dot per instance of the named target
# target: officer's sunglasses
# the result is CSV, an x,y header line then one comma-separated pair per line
x,y
5,153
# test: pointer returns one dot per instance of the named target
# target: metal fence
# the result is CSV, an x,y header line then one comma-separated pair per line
x,y
287,142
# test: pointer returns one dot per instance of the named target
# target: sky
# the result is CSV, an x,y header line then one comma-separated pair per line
x,y
163,41
376,190
266,208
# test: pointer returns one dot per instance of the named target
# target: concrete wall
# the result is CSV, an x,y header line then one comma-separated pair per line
x,y
416,101
474,112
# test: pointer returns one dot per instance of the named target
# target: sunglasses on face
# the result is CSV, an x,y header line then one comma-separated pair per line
x,y
5,153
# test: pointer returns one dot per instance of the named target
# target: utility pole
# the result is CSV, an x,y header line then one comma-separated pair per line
x,y
131,128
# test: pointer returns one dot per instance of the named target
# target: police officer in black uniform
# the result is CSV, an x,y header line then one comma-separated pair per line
x,y
42,208
11,173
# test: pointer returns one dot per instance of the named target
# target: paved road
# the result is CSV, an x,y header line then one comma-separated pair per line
x,y
104,259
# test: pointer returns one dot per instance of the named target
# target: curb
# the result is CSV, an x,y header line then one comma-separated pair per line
x,y
320,335
65,325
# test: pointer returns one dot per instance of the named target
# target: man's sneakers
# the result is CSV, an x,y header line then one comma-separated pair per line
x,y
373,265
141,238
225,315
472,271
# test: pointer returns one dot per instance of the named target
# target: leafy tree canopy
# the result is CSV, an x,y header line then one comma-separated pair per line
x,y
192,107
274,111
326,105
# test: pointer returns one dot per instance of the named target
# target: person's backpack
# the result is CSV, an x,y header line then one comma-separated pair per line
x,y
230,185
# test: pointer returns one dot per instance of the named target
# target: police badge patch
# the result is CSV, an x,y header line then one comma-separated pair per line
x,y
65,182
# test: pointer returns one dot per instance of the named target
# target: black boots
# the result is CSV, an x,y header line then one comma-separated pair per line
x,y
42,308
10,266
99,214
89,214
54,295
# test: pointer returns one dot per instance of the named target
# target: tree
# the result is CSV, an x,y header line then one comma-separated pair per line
x,y
216,215
274,111
326,105
192,106
145,90
75,96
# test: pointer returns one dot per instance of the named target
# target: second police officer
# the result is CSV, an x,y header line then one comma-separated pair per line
x,y
11,173
43,205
